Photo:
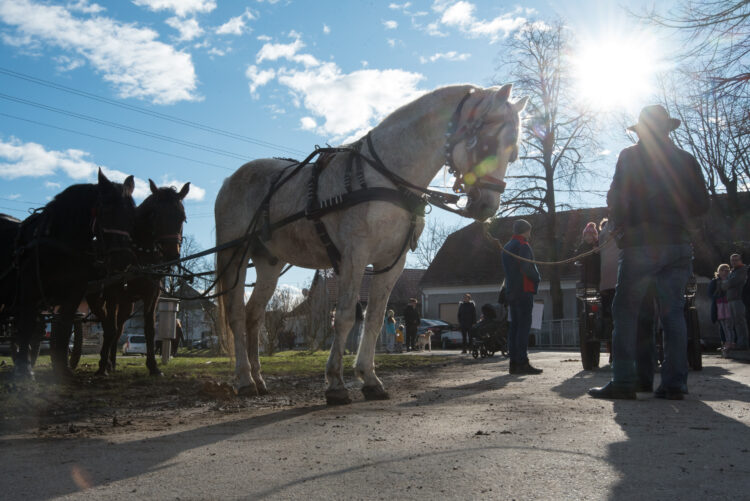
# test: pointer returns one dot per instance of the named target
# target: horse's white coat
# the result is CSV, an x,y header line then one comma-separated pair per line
x,y
410,142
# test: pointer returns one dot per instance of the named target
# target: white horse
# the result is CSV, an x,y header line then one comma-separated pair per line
x,y
474,129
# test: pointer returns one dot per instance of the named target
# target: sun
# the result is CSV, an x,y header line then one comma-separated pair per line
x,y
614,74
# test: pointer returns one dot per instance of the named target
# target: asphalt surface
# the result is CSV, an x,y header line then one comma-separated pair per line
x,y
468,430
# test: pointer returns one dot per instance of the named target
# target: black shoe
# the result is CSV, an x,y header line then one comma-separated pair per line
x,y
527,369
612,391
513,369
669,393
645,387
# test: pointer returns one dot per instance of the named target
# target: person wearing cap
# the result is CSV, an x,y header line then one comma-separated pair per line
x,y
656,193
411,321
521,283
467,317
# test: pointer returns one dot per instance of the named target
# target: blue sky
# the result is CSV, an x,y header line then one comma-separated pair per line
x,y
86,84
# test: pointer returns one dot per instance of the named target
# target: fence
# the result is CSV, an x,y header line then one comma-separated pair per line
x,y
560,333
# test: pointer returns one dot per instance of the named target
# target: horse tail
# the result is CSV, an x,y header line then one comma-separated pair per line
x,y
224,331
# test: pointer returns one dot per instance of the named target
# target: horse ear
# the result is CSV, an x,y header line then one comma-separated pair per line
x,y
153,187
128,186
103,179
504,93
519,105
184,191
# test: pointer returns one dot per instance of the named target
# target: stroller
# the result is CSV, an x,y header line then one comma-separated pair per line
x,y
490,334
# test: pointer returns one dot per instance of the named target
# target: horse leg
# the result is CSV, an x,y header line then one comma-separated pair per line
x,y
350,278
267,276
149,319
124,310
25,325
232,271
61,329
100,308
364,365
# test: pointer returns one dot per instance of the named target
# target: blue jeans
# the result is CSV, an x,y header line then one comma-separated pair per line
x,y
520,325
667,268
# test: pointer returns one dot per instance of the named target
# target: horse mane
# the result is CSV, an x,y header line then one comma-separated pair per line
x,y
70,212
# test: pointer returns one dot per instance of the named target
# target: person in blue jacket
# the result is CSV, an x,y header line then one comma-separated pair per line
x,y
521,283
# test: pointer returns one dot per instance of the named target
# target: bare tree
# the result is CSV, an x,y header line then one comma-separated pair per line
x,y
718,33
557,135
714,129
432,239
278,312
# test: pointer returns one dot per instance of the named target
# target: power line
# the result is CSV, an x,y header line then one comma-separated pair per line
x,y
126,128
144,111
116,141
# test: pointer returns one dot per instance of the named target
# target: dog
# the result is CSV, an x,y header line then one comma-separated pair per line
x,y
424,339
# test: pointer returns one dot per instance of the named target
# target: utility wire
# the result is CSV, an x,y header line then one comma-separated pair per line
x,y
126,128
116,142
144,111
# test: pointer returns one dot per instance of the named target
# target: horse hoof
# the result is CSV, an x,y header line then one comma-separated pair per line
x,y
246,391
101,373
23,372
375,393
338,397
262,390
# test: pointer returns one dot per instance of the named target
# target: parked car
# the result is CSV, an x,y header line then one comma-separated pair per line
x,y
438,328
135,343
205,343
450,339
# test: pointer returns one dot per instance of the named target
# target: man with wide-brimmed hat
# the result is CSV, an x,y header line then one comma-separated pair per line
x,y
656,192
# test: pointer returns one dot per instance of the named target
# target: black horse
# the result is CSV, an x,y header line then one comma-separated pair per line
x,y
82,235
8,230
157,238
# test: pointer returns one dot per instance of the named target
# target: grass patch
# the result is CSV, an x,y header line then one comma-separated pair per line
x,y
292,363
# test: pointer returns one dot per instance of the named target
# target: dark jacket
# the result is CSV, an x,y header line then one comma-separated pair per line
x,y
590,265
521,277
734,283
467,314
656,192
411,318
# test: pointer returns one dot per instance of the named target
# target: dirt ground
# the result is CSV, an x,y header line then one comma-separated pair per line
x,y
456,429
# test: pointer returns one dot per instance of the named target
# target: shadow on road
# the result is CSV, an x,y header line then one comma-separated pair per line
x,y
103,465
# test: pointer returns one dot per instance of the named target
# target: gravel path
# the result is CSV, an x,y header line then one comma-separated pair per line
x,y
465,430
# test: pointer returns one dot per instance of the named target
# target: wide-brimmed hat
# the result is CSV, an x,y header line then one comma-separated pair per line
x,y
655,118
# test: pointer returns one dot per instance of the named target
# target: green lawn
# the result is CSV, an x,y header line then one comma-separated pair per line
x,y
299,363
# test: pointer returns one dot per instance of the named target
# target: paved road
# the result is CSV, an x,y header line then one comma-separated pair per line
x,y
466,431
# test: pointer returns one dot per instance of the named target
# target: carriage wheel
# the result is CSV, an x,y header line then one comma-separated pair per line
x,y
475,352
695,357
75,353
587,347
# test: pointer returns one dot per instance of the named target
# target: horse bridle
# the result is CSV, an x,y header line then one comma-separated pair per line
x,y
123,243
477,145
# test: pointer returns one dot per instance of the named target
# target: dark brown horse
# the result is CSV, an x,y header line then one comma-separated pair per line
x,y
157,238
83,234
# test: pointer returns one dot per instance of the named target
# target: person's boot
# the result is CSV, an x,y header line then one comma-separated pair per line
x,y
528,369
513,369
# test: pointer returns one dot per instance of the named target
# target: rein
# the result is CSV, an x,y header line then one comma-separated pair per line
x,y
573,259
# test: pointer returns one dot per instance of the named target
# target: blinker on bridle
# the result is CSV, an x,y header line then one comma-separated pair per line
x,y
478,147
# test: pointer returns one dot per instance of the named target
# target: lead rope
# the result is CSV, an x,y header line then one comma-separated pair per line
x,y
573,259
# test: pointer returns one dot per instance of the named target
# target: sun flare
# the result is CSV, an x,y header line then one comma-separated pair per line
x,y
616,73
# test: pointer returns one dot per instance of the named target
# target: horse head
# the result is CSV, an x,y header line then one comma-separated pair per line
x,y
483,141
114,219
164,216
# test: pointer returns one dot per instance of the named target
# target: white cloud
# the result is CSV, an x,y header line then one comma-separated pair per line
x,y
264,38
217,52
258,78
390,25
403,6
196,193
65,63
269,1
308,123
180,7
461,15
326,29
272,52
605,152
188,28
391,42
14,196
129,57
19,159
85,7
448,56
236,25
